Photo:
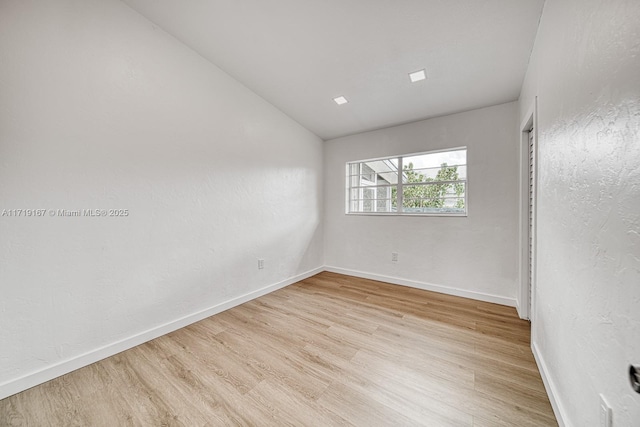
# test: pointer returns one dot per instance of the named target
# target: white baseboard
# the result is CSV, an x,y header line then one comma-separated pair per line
x,y
32,379
521,314
17,385
511,302
549,385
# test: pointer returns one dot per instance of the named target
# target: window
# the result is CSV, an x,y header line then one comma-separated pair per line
x,y
433,183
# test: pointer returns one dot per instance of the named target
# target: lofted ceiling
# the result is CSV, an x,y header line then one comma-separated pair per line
x,y
300,54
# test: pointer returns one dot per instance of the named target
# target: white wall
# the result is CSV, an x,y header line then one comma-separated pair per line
x,y
476,256
101,109
585,71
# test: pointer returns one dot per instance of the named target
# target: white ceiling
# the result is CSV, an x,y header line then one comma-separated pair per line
x,y
299,54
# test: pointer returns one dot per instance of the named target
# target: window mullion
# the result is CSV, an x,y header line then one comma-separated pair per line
x,y
360,189
399,185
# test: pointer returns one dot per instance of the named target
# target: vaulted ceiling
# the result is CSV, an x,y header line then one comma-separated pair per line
x,y
300,54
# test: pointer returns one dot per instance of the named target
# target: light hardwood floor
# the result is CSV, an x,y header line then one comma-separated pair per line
x,y
330,350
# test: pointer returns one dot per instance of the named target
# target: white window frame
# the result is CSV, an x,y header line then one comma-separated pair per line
x,y
400,186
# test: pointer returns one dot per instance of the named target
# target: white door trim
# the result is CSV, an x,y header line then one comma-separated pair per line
x,y
526,295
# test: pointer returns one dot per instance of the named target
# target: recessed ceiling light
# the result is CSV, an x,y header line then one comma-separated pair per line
x,y
416,76
340,100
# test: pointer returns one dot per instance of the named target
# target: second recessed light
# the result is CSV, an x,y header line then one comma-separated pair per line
x,y
416,76
340,100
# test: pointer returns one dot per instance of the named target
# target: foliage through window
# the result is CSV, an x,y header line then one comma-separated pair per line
x,y
433,183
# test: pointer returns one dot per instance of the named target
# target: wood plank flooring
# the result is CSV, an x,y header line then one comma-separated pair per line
x,y
329,350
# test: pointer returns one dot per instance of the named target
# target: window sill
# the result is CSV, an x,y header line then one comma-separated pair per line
x,y
464,215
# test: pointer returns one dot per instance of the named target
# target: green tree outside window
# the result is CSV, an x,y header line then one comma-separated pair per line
x,y
430,195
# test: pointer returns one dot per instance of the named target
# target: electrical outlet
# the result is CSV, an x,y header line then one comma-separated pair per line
x,y
394,256
606,415
260,264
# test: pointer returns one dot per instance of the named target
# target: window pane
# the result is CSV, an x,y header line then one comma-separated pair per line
x,y
381,172
368,193
367,173
443,166
453,205
388,178
432,192
432,160
445,210
383,202
384,206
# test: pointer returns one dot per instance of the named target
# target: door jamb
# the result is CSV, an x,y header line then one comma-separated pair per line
x,y
526,308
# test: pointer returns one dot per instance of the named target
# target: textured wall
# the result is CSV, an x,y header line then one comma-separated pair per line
x,y
101,109
585,71
477,254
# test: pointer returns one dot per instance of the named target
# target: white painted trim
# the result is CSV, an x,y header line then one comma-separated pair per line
x,y
32,379
511,302
523,304
552,390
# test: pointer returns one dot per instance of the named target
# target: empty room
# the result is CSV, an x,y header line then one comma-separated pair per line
x,y
320,212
